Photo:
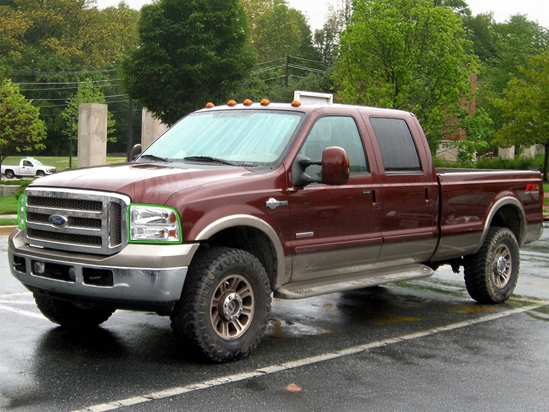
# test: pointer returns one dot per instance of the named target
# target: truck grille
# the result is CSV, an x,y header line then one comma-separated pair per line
x,y
90,222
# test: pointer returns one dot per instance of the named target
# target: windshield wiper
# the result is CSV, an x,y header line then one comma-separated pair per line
x,y
153,157
209,159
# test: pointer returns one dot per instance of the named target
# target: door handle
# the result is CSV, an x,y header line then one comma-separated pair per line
x,y
371,192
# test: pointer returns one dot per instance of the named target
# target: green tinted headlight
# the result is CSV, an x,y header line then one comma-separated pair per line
x,y
22,212
150,223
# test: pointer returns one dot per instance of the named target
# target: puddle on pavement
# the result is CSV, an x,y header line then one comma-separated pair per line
x,y
282,329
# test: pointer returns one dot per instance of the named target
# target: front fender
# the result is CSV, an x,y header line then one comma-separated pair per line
x,y
248,221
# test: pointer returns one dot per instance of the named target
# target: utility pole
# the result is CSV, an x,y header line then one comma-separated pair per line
x,y
287,76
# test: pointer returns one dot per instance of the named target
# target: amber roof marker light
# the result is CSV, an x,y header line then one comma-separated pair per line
x,y
265,102
247,102
296,103
231,103
209,105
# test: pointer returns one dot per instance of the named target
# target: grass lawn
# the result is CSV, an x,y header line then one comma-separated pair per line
x,y
8,222
8,205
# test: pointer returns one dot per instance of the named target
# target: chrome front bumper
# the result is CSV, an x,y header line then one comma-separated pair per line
x,y
138,277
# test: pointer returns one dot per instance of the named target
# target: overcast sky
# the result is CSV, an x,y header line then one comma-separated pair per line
x,y
315,10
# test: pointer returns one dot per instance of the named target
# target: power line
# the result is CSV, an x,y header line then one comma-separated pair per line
x,y
63,83
66,88
39,73
73,98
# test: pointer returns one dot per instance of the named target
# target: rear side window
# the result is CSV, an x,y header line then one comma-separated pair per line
x,y
398,150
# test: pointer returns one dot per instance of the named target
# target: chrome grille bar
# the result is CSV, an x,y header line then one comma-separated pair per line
x,y
93,222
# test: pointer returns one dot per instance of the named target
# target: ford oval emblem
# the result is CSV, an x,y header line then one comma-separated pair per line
x,y
58,220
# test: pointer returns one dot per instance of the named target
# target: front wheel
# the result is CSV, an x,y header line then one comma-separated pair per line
x,y
225,304
72,315
492,273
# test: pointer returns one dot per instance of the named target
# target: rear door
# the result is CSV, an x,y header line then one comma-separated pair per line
x,y
409,191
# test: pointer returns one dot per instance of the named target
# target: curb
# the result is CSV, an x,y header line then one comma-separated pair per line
x,y
6,230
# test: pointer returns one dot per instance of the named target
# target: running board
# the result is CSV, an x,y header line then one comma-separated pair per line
x,y
305,289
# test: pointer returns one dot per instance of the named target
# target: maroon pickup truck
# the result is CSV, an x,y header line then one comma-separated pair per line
x,y
235,203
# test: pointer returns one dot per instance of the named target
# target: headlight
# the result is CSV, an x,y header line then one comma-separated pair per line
x,y
153,224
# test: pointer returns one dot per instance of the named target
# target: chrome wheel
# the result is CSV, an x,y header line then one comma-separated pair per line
x,y
503,263
232,307
492,273
224,308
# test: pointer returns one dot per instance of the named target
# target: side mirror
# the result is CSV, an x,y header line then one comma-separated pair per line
x,y
136,151
335,168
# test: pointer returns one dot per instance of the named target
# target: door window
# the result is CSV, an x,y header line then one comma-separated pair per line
x,y
398,150
340,131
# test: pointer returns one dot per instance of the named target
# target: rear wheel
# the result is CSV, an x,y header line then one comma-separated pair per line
x,y
225,304
9,174
491,274
72,315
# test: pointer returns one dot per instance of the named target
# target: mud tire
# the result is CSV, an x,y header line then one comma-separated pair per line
x,y
224,308
491,274
71,315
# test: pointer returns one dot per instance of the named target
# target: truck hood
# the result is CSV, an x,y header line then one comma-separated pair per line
x,y
143,182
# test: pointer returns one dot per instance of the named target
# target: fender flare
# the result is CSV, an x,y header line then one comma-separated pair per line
x,y
504,201
250,221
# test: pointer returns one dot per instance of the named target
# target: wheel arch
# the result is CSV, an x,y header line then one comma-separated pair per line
x,y
251,234
506,212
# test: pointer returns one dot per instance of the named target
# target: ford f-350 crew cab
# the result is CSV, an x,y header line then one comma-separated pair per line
x,y
27,167
234,203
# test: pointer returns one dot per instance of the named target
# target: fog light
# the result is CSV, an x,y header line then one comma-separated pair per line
x,y
39,267
72,273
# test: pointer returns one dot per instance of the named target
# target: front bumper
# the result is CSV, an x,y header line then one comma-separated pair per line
x,y
141,276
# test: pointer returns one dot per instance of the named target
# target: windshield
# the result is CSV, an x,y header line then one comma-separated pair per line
x,y
240,137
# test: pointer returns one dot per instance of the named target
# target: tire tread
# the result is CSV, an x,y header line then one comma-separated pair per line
x,y
188,318
477,270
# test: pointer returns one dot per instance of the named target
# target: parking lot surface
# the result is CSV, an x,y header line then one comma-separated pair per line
x,y
423,345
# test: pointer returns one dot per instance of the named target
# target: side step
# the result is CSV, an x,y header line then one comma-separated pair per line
x,y
305,289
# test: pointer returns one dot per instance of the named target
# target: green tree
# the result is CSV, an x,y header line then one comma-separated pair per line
x,y
410,55
517,41
13,27
525,108
480,29
87,93
326,40
190,52
507,47
460,7
21,129
56,44
279,30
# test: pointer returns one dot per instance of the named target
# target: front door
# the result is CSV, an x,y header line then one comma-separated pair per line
x,y
336,229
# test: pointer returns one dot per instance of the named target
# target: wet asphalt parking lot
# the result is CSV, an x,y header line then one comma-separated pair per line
x,y
417,346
